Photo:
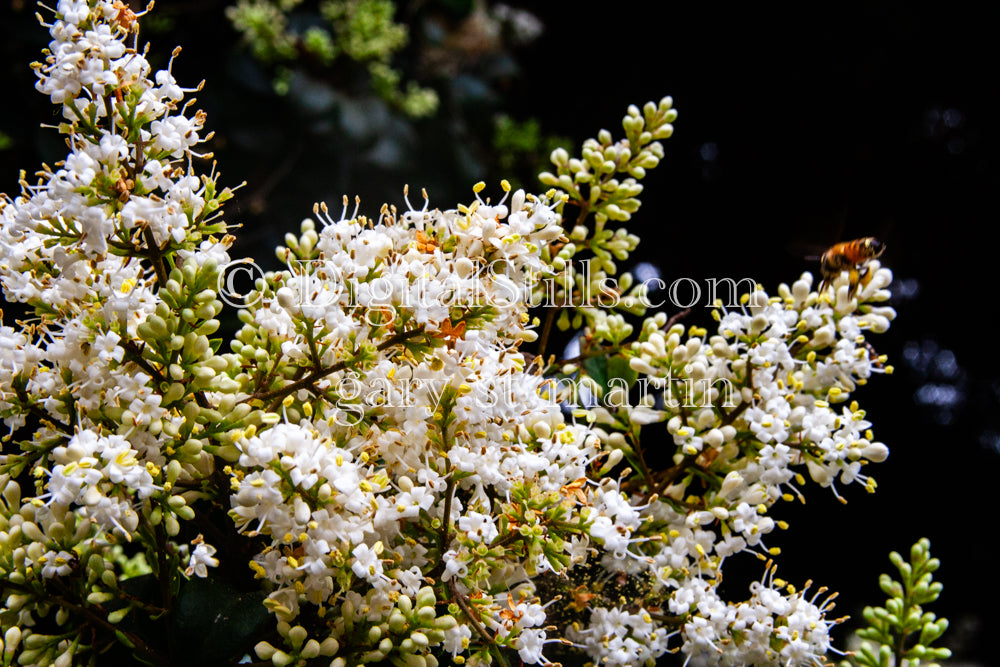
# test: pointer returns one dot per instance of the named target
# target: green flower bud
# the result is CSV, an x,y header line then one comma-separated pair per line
x,y
190,271
264,650
329,646
203,373
210,325
310,650
158,326
397,622
229,453
426,597
297,635
11,639
175,392
117,615
29,657
32,532
372,656
446,622
216,363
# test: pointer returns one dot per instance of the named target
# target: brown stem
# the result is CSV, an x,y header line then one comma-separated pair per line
x,y
155,255
675,318
672,474
474,621
135,355
274,370
445,528
278,394
730,417
46,418
669,619
543,341
162,561
97,619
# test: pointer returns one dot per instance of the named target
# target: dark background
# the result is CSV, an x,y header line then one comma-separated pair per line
x,y
799,125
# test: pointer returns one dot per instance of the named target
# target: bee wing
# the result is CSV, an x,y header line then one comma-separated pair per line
x,y
828,226
806,250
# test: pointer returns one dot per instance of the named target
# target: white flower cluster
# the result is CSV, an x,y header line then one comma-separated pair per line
x,y
69,242
90,249
87,468
768,629
622,638
118,178
756,406
378,433
415,423
787,359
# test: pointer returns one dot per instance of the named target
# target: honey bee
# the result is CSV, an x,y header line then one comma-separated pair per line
x,y
851,256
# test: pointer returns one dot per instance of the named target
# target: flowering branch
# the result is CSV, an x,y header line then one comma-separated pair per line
x,y
385,430
277,395
901,631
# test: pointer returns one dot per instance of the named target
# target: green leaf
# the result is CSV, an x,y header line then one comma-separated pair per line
x,y
597,368
618,367
215,623
123,638
605,371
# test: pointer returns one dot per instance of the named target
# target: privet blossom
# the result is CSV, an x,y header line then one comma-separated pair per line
x,y
384,451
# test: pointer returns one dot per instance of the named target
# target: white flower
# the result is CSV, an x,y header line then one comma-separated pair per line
x,y
454,565
56,564
529,645
201,559
367,563
479,527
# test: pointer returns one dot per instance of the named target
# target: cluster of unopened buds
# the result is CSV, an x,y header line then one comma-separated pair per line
x,y
402,479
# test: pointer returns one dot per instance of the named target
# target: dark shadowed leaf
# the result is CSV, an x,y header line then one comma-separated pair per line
x,y
215,623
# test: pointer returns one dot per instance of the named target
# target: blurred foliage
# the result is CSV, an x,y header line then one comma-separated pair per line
x,y
333,97
521,146
331,36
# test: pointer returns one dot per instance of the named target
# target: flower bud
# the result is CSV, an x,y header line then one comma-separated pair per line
x,y
425,597
875,452
297,635
11,639
445,622
310,650
117,615
329,646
